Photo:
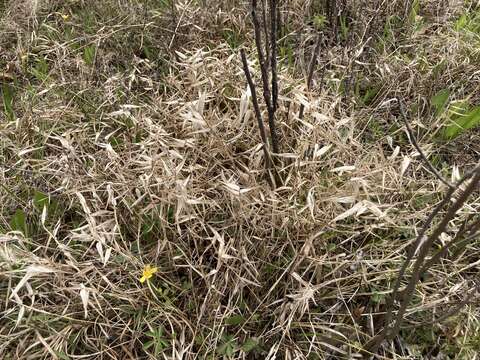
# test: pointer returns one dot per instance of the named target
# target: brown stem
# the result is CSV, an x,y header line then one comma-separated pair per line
x,y
258,115
424,251
265,28
256,107
273,58
311,70
373,344
415,144
265,78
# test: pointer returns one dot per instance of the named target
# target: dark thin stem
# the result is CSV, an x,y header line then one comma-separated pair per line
x,y
472,186
256,107
411,253
450,313
415,144
311,70
376,341
443,251
261,56
265,29
313,60
265,78
273,58
463,244
334,20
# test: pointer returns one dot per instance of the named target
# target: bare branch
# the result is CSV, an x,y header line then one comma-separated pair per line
x,y
415,144
265,78
256,107
273,59
423,251
418,268
274,181
450,313
311,70
265,29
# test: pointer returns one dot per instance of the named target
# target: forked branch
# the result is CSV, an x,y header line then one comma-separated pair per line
x,y
468,231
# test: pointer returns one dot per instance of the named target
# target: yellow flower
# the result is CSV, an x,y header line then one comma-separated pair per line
x,y
148,272
65,17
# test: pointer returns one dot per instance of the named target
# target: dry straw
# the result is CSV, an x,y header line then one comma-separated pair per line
x,y
130,138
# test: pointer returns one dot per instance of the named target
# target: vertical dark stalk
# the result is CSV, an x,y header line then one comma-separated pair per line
x,y
261,56
311,70
328,9
273,58
421,264
265,28
253,91
258,115
334,19
444,250
417,147
270,95
424,251
265,78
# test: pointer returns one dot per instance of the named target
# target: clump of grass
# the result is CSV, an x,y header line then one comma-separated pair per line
x,y
136,221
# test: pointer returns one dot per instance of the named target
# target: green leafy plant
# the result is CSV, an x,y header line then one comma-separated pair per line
x,y
165,4
233,38
469,21
8,95
45,202
319,21
414,11
378,297
460,115
89,54
228,346
344,27
251,344
158,341
458,124
40,69
40,200
440,100
234,320
19,222
461,22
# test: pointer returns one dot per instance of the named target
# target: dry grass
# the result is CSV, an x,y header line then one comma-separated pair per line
x,y
129,140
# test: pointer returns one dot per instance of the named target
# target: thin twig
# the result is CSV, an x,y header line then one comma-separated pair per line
x,y
273,58
261,56
450,313
415,144
265,28
443,251
472,186
412,250
256,107
258,115
377,340
311,70
265,78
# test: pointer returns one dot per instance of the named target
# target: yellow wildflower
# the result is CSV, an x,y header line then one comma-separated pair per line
x,y
148,272
65,17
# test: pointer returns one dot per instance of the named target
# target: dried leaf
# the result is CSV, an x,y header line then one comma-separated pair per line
x,y
405,163
84,295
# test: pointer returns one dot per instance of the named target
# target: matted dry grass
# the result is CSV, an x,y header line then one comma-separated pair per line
x,y
143,138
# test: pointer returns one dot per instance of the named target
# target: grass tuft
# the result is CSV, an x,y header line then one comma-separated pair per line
x,y
129,150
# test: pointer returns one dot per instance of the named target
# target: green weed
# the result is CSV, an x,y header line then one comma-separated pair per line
x,y
8,94
157,341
